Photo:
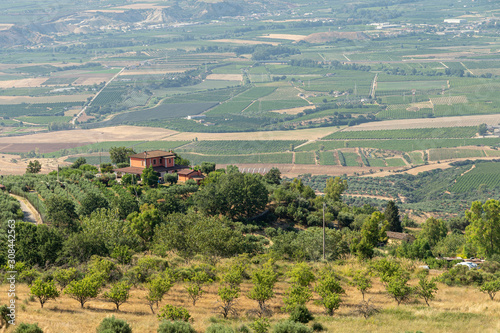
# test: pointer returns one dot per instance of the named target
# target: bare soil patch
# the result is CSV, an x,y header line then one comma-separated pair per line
x,y
243,41
5,26
321,37
22,83
225,77
369,196
293,110
285,36
105,11
155,71
492,119
143,6
79,136
90,79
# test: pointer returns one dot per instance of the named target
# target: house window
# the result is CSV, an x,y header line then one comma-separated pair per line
x,y
142,163
154,161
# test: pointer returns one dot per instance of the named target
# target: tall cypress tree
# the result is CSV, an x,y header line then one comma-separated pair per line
x,y
392,216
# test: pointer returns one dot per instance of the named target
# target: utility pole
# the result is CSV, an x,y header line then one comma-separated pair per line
x,y
324,255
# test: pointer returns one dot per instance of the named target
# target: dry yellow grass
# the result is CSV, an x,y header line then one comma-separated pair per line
x,y
6,26
492,119
227,77
22,83
292,110
455,309
243,41
295,38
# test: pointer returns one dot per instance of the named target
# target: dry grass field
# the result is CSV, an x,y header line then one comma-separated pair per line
x,y
455,309
242,41
295,38
22,83
225,77
492,119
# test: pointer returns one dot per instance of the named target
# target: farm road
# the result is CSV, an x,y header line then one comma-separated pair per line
x,y
85,107
30,213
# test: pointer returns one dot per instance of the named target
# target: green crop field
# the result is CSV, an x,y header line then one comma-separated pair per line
x,y
138,146
416,133
376,162
327,158
399,144
239,147
304,158
395,162
277,158
163,111
484,173
410,85
109,96
445,154
44,120
416,157
15,110
351,159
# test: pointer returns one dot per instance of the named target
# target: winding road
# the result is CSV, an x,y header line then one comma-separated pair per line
x,y
30,213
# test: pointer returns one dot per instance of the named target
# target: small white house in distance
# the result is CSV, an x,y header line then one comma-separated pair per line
x,y
198,116
455,21
470,265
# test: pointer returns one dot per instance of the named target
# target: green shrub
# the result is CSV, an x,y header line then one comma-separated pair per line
x,y
462,276
175,327
291,327
301,314
113,325
219,328
317,327
243,329
28,328
171,312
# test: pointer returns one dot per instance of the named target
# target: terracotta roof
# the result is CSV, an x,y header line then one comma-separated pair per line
x,y
152,154
400,235
186,172
134,170
167,169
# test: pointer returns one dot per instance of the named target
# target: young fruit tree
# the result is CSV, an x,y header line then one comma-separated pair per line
x,y
263,287
44,291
